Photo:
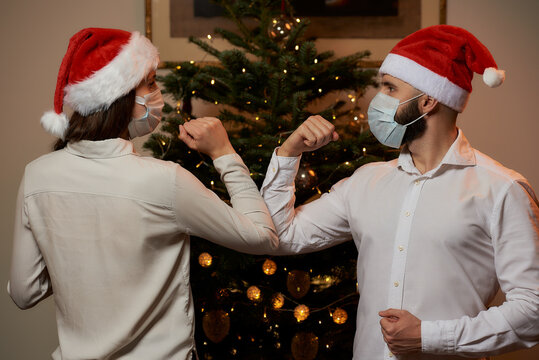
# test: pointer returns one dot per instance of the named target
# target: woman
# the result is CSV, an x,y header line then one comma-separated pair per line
x,y
106,230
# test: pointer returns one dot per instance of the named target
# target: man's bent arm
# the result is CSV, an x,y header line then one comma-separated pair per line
x,y
315,226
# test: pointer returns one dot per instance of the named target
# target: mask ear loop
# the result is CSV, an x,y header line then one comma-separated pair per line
x,y
419,118
142,101
415,97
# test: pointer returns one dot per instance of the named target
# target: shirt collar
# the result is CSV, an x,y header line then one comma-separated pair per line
x,y
460,154
109,148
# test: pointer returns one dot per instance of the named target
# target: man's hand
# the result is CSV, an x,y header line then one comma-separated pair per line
x,y
206,135
314,133
401,330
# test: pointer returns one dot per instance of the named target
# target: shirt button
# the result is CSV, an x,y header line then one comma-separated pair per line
x,y
273,169
417,182
396,284
401,248
390,355
407,214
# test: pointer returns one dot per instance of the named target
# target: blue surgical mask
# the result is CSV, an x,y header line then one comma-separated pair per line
x,y
153,102
381,113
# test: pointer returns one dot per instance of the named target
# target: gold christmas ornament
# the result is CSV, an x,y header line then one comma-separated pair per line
x,y
301,312
304,346
269,267
277,301
280,28
298,283
306,177
216,325
205,259
339,316
254,294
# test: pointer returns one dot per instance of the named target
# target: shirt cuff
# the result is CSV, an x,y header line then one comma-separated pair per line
x,y
224,161
437,339
285,167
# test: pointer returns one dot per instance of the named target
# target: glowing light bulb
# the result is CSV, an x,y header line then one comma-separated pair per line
x,y
277,301
339,316
301,312
253,293
205,259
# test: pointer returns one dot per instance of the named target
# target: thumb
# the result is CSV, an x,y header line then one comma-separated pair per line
x,y
186,138
308,142
335,136
390,313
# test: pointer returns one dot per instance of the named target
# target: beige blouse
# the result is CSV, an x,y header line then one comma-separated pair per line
x,y
107,232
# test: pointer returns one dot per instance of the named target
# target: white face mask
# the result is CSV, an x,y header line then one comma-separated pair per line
x,y
153,102
381,114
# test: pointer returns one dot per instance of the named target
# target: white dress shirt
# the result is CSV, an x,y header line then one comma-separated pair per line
x,y
438,244
107,231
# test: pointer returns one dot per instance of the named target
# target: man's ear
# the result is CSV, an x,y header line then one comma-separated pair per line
x,y
427,104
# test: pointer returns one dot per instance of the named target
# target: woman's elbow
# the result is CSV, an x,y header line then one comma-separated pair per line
x,y
265,242
22,298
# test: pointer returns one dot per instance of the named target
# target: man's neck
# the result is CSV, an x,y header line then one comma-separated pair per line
x,y
428,150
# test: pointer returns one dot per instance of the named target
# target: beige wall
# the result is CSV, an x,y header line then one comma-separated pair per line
x,y
500,122
34,37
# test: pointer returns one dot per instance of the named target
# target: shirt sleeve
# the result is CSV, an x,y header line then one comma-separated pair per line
x,y
245,227
311,227
515,323
29,281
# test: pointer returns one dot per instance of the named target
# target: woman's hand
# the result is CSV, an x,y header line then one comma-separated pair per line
x,y
206,135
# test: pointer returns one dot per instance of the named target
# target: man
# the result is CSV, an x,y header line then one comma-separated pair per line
x,y
439,229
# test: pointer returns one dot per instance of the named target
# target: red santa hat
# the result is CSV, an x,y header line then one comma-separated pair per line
x,y
100,66
440,61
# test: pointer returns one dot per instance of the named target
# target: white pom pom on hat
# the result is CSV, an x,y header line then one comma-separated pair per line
x,y
493,77
99,67
55,124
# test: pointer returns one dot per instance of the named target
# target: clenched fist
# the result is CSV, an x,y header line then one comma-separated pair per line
x,y
206,135
401,331
312,134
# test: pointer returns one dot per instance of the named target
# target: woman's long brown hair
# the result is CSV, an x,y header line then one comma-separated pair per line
x,y
100,125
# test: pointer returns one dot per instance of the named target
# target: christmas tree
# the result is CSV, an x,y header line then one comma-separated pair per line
x,y
273,78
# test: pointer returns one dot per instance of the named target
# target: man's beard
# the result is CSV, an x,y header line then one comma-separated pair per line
x,y
409,113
